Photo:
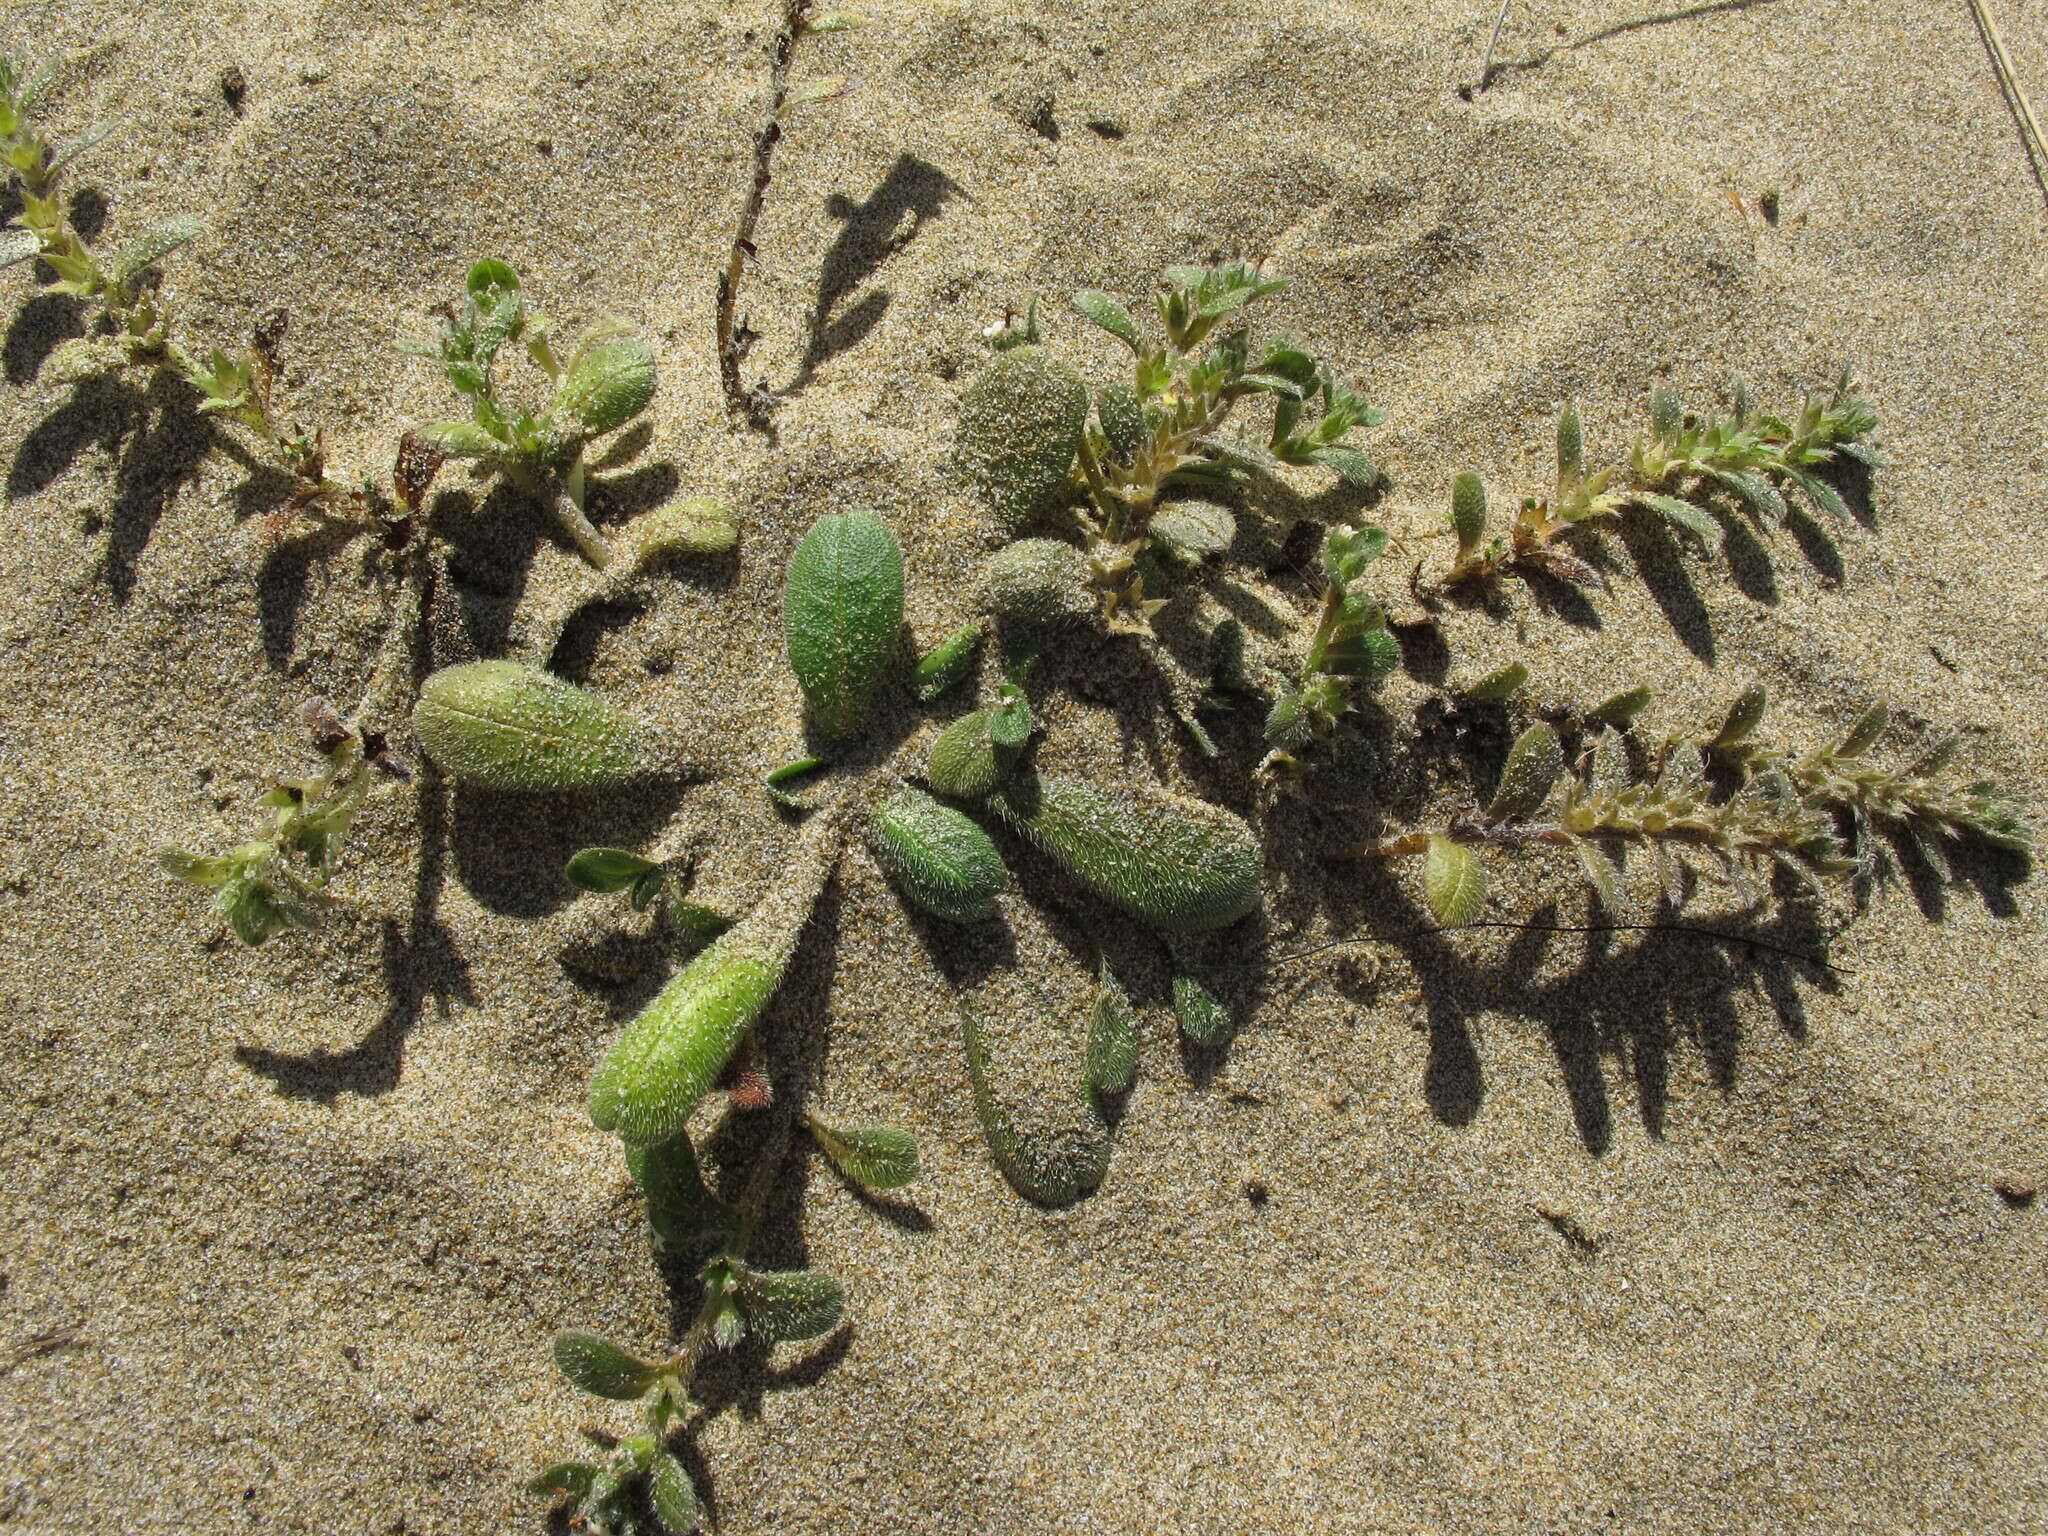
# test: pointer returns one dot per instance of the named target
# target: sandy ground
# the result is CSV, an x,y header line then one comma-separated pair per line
x,y
313,1211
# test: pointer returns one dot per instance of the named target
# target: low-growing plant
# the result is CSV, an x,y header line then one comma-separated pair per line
x,y
1786,812
1675,473
1035,441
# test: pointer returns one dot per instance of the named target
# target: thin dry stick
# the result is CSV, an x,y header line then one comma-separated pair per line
x,y
1493,42
733,340
2015,95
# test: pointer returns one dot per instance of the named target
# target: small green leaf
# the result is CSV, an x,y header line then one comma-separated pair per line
x,y
1020,425
1353,465
1571,446
1692,519
1112,1036
1202,1019
1468,512
790,1305
195,870
1194,531
977,752
674,1496
1182,865
71,149
698,525
1744,715
1605,879
462,439
607,387
843,616
1621,709
1111,316
600,1367
563,1480
17,245
648,888
696,920
873,1156
946,665
1497,684
504,725
1862,736
940,860
605,870
774,780
1040,582
153,243
1531,771
1454,882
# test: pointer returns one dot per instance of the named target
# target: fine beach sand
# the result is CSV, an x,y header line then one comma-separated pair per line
x,y
1489,1232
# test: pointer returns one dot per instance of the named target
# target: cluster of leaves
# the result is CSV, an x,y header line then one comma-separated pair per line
x,y
1784,812
1351,644
1035,440
278,882
1675,473
607,381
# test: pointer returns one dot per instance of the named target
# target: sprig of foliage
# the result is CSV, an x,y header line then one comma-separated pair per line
x,y
278,882
1351,644
1918,796
129,320
1600,809
1673,473
1026,428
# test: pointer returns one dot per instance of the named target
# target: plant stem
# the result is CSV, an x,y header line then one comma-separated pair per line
x,y
731,345
760,1184
567,505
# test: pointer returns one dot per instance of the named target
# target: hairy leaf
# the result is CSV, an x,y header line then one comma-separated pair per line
x,y
873,1156
504,725
1111,316
673,1496
1181,865
946,665
153,243
1112,1036
604,870
1204,1020
1453,881
600,1367
1468,512
792,1304
1020,426
1531,771
681,1208
941,861
842,612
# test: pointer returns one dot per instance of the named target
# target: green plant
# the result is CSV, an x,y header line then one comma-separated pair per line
x,y
537,443
1027,444
1673,473
1178,864
1351,644
660,887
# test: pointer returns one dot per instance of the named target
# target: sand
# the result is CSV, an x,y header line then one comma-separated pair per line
x,y
1491,1232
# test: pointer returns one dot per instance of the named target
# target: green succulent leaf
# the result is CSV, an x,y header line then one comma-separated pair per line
x,y
1744,715
604,870
787,1306
1181,865
1498,684
71,149
1111,316
873,1156
1571,446
209,873
598,1366
1020,426
1453,882
563,1480
1120,415
1599,869
940,860
1353,465
947,664
505,725
674,1496
1620,710
153,243
695,526
1534,764
1204,1020
1684,514
17,246
1040,583
1468,512
607,387
1112,1036
1863,735
1194,531
977,752
463,439
843,616
1052,1168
